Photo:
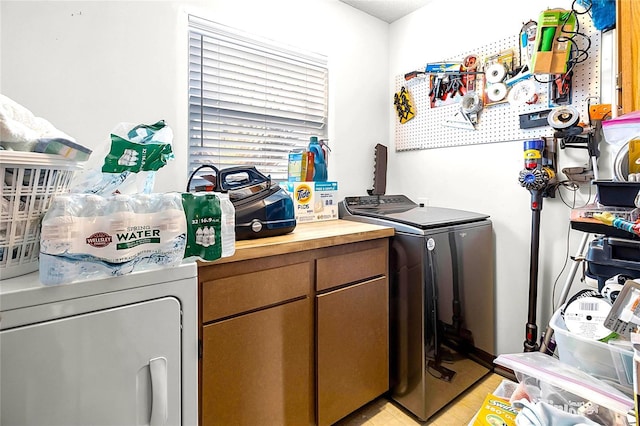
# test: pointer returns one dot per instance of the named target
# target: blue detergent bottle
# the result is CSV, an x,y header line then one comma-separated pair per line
x,y
319,162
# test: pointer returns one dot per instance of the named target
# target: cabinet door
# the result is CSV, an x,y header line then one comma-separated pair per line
x,y
629,54
101,368
352,348
257,368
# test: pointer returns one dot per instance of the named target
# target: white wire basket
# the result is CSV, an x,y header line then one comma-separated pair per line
x,y
30,181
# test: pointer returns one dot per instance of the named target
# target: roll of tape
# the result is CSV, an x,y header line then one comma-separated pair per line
x,y
495,73
563,117
497,92
471,103
610,291
585,317
522,93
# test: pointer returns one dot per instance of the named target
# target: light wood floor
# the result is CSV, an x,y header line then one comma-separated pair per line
x,y
382,412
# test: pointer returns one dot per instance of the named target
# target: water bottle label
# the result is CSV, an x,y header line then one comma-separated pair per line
x,y
112,241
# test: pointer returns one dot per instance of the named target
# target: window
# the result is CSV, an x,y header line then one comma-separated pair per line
x,y
251,102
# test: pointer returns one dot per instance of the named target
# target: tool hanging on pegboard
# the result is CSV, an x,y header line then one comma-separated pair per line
x,y
560,89
565,121
470,66
497,68
403,104
467,116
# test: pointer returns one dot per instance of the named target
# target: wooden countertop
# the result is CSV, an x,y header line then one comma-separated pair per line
x,y
307,236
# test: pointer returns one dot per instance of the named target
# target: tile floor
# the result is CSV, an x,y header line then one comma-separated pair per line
x,y
382,412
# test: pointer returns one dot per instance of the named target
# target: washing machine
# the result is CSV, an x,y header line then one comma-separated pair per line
x,y
115,351
442,298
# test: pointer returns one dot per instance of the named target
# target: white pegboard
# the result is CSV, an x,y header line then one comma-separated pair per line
x,y
498,122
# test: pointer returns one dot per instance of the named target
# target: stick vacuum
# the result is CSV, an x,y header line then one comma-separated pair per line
x,y
535,177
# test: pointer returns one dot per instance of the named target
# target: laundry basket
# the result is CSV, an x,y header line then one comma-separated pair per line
x,y
30,181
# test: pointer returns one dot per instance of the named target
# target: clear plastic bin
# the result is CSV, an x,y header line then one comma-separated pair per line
x,y
546,379
607,362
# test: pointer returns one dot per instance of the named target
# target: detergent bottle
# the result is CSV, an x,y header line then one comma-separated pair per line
x,y
319,160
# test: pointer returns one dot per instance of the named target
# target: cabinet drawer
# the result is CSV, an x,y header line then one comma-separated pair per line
x,y
346,268
233,295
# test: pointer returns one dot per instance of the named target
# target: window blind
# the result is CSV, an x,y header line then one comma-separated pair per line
x,y
251,101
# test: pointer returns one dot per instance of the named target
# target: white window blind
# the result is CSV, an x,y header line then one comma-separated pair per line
x,y
251,101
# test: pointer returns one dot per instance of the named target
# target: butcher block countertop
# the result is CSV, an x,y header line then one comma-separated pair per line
x,y
308,236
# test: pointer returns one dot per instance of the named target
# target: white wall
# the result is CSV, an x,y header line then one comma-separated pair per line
x,y
484,178
88,65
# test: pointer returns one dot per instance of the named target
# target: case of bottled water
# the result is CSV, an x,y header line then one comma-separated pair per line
x,y
87,236
210,225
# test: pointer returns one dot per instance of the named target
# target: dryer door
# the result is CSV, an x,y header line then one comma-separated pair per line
x,y
119,366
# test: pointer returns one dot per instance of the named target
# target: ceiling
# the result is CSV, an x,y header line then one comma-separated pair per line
x,y
387,10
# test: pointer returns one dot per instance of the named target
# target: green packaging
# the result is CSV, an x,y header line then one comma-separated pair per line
x,y
204,221
135,157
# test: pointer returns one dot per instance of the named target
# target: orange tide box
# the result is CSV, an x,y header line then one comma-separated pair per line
x,y
313,201
495,411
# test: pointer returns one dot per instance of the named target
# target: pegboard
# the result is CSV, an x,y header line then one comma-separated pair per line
x,y
498,122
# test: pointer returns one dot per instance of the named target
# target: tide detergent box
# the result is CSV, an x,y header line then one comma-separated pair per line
x,y
313,201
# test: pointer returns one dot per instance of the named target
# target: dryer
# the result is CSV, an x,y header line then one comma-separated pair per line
x,y
114,351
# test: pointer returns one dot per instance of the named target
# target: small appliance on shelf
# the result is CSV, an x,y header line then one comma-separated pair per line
x,y
262,207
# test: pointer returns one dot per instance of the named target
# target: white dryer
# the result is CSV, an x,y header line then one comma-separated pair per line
x,y
115,351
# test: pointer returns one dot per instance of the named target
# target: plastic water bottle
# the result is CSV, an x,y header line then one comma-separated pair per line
x,y
121,213
92,224
59,230
227,225
173,218
92,207
59,225
145,203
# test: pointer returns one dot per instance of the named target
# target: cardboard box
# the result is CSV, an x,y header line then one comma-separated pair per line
x,y
313,201
552,44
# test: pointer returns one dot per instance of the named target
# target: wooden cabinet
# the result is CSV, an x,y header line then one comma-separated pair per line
x,y
257,363
353,348
257,368
628,34
352,330
295,338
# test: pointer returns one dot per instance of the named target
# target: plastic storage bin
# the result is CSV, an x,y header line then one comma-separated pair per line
x,y
607,257
547,379
610,363
612,193
30,181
